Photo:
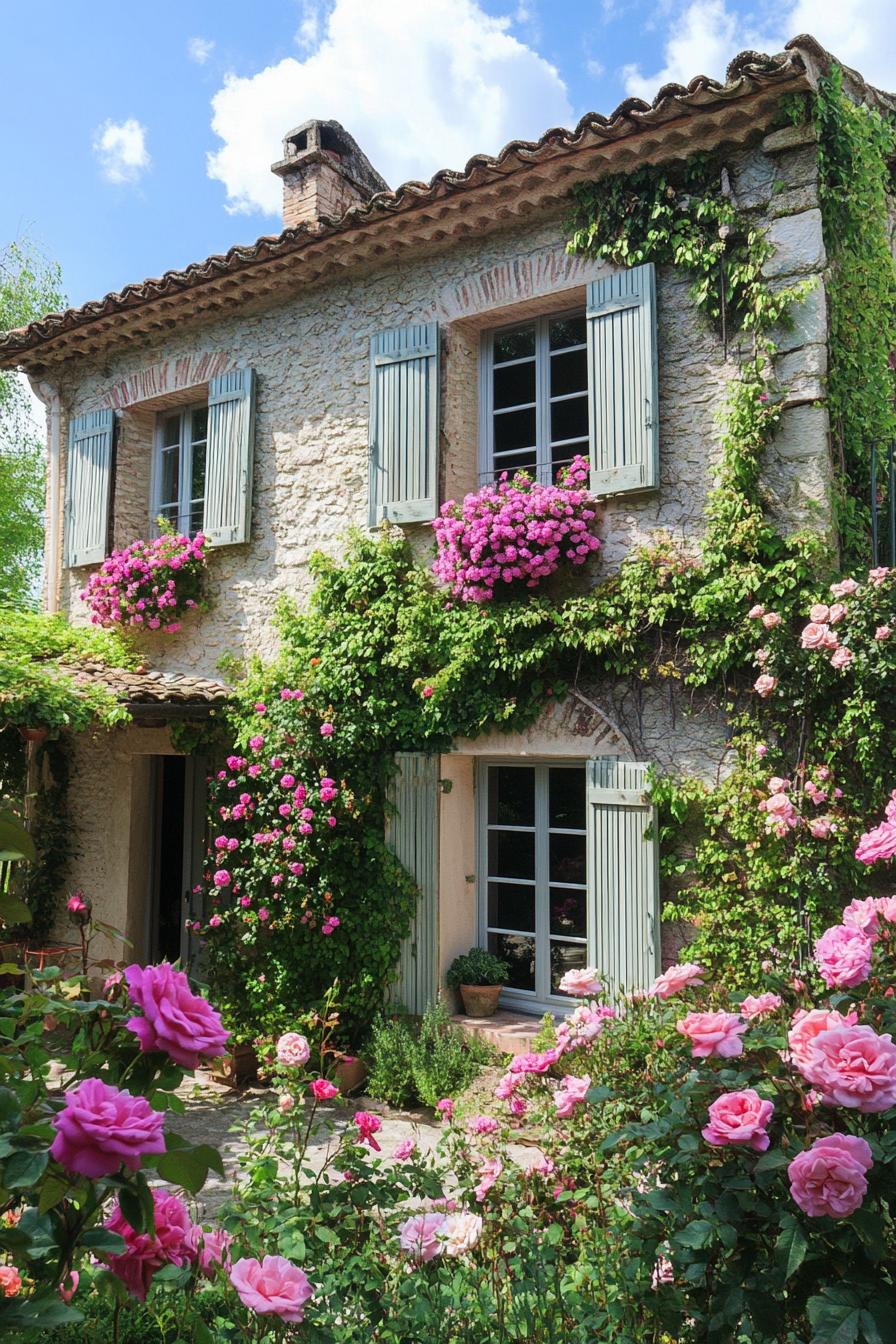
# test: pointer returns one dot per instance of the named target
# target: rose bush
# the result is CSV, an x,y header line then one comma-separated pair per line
x,y
149,585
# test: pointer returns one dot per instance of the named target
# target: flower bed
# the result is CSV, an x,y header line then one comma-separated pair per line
x,y
150,585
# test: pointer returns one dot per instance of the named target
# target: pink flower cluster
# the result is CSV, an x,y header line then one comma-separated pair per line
x,y
424,1236
175,1241
150,584
782,814
514,531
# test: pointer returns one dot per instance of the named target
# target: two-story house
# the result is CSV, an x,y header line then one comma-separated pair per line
x,y
389,350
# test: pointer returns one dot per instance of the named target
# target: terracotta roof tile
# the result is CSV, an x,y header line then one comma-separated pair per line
x,y
144,689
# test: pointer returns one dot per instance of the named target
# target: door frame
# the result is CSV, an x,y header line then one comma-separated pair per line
x,y
192,854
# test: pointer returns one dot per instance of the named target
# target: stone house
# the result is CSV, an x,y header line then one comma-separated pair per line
x,y
389,350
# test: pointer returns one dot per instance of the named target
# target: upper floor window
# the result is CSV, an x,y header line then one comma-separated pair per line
x,y
535,396
181,440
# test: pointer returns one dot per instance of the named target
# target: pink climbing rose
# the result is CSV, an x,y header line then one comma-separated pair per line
x,y
570,1094
739,1118
843,956
764,685
675,979
853,1067
806,1025
272,1287
580,981
101,1129
828,1179
715,1033
757,1005
175,1020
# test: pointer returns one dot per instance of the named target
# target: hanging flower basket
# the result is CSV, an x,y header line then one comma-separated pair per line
x,y
149,585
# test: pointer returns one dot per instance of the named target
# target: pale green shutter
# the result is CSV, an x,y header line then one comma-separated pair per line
x,y
404,424
623,382
228,463
623,873
88,487
412,833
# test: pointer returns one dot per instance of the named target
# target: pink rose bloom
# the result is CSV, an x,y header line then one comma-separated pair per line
x,y
534,1062
570,1094
445,1107
508,1085
257,742
460,1232
819,614
838,611
739,1118
778,785
368,1125
175,1020
864,915
845,588
841,658
293,1050
221,878
854,1067
326,730
761,750
757,1005
211,1247
806,1025
828,1179
100,1129
489,1171
580,981
170,1244
323,1090
814,635
426,692
755,613
419,1236
716,1033
771,619
886,906
75,904
882,632
843,956
675,979
286,1103
877,576
879,843
404,1150
272,1287
482,1125
764,685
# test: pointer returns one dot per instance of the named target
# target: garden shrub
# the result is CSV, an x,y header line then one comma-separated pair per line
x,y
422,1062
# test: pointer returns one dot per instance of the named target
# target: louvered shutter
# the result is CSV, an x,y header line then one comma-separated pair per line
x,y
228,463
412,833
88,488
404,424
623,873
623,382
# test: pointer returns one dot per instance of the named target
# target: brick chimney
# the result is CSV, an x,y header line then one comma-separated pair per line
x,y
324,172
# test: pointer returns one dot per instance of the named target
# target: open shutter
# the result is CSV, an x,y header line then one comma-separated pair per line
x,y
623,382
404,424
623,873
228,466
412,833
88,488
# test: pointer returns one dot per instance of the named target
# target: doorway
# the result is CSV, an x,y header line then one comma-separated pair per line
x,y
178,793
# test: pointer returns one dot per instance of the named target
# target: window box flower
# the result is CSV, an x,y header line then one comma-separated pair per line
x,y
149,585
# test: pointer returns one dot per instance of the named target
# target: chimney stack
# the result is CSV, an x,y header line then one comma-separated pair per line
x,y
324,173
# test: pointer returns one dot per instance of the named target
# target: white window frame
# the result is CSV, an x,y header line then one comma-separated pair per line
x,y
489,470
185,467
539,1000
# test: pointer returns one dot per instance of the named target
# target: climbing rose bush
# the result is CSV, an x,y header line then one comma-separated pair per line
x,y
515,533
149,585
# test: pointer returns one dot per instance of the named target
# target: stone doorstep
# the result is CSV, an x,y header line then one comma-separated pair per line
x,y
510,1033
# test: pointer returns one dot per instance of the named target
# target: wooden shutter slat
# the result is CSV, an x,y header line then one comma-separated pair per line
x,y
88,487
404,424
228,463
623,873
412,833
623,381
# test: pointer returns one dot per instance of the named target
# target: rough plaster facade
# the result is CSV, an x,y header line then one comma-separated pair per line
x,y
310,354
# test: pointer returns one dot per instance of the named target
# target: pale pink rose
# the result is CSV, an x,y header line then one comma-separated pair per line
x,y
764,685
755,613
663,1273
843,956
419,1237
570,1094
771,619
482,1125
877,576
841,658
831,639
460,1232
404,1150
757,1005
580,981
541,1166
293,1050
285,1103
886,906
813,635
272,1287
854,1067
879,843
212,1248
845,588
882,632
778,785
838,611
10,1281
761,657
819,614
864,915
445,1108
822,828
806,1025
761,750
828,1179
675,979
489,1171
715,1033
100,1129
739,1118
175,1021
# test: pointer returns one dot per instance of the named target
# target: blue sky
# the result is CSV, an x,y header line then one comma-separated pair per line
x,y
143,134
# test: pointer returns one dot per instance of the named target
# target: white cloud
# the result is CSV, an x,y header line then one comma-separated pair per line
x,y
199,49
595,69
419,86
705,34
308,32
121,150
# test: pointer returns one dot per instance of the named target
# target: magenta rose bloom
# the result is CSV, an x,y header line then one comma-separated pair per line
x,y
172,1243
739,1118
713,1034
854,1067
101,1129
175,1021
828,1179
272,1287
843,956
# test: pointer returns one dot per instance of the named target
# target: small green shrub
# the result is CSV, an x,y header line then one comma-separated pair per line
x,y
391,1051
422,1063
477,967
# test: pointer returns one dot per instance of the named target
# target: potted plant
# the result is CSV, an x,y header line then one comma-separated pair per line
x,y
479,975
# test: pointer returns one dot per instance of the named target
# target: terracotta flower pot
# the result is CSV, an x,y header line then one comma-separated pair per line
x,y
239,1065
350,1074
480,1000
34,734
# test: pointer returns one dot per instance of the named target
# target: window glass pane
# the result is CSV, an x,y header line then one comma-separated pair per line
x,y
565,331
171,430
515,344
169,487
197,472
566,798
169,512
514,462
569,419
512,854
512,906
567,913
511,796
200,423
567,857
514,429
514,384
197,516
519,953
565,957
569,373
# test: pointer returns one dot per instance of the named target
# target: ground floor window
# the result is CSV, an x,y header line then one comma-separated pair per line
x,y
533,889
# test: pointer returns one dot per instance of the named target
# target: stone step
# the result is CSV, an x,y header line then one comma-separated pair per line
x,y
510,1033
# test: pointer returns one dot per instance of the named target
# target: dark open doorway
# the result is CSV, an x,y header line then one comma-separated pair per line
x,y
167,904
